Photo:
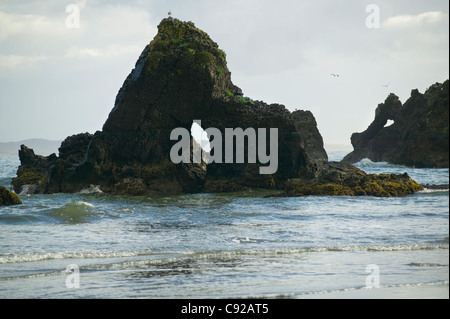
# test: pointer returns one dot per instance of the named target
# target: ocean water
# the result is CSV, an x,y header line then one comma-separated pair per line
x,y
239,245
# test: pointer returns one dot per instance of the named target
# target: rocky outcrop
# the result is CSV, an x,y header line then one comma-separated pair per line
x,y
312,141
180,77
8,198
32,173
419,135
341,179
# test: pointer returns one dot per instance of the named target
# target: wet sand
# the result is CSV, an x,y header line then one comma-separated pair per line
x,y
422,291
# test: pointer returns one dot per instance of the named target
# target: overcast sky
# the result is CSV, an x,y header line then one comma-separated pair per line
x,y
56,81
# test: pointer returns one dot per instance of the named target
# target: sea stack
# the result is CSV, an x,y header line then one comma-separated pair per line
x,y
418,136
181,77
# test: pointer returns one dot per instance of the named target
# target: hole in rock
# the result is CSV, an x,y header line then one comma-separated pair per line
x,y
389,123
200,136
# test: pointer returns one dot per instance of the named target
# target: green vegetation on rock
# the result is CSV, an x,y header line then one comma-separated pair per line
x,y
175,35
8,198
382,185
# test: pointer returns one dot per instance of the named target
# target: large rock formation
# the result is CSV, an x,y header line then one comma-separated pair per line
x,y
418,137
180,77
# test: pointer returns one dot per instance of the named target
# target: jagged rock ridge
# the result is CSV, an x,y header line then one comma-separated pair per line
x,y
419,135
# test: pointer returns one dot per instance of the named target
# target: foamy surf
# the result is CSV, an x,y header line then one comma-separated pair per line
x,y
36,257
433,191
245,240
93,189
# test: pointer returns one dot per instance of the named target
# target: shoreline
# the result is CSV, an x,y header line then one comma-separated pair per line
x,y
411,291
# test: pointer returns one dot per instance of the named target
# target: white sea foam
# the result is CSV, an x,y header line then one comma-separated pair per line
x,y
245,240
36,257
93,189
432,190
20,258
27,189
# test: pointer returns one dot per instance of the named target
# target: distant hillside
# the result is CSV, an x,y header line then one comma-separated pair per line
x,y
40,147
338,147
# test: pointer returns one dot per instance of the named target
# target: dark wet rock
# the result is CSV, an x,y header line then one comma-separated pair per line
x,y
8,198
32,174
418,137
311,139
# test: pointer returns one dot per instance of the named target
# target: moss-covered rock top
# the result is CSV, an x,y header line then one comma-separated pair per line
x,y
185,40
178,34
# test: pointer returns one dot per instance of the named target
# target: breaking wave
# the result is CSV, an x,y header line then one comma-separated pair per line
x,y
21,258
75,212
93,189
